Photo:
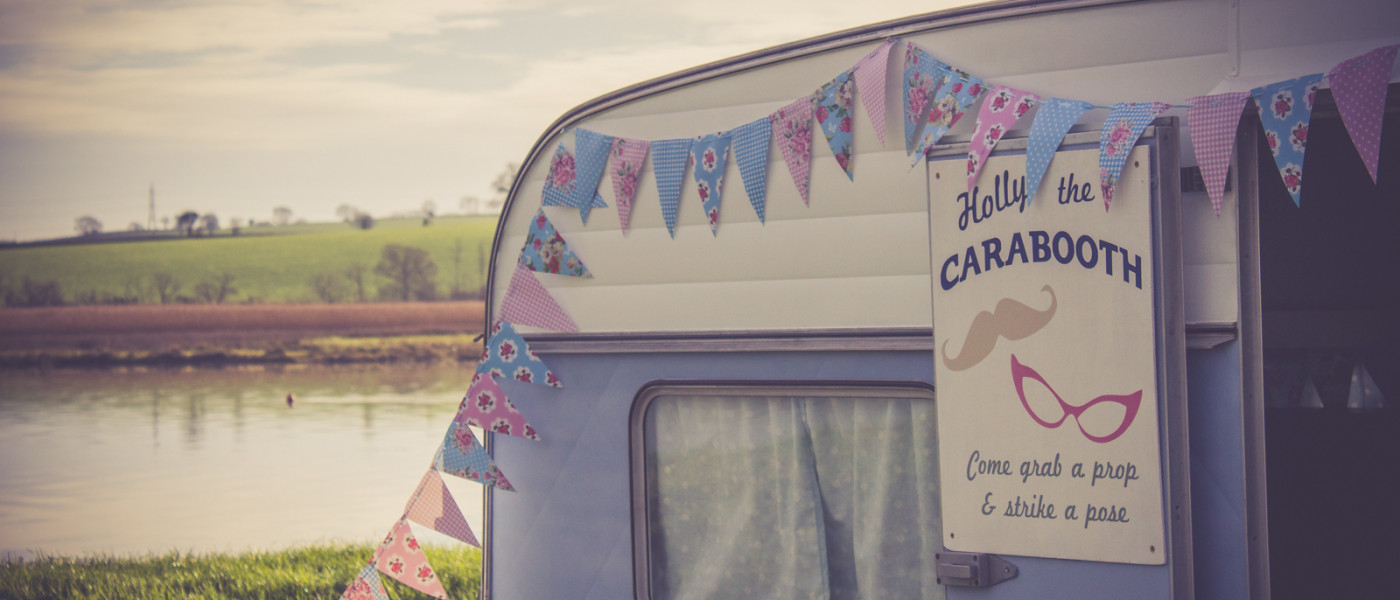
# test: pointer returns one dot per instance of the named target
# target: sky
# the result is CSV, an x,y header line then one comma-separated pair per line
x,y
236,107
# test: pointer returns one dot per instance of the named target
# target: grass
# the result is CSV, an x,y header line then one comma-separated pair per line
x,y
266,266
321,572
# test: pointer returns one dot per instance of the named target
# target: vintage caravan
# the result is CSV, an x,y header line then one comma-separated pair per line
x,y
1007,301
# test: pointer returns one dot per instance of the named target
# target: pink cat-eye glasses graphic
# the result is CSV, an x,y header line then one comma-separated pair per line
x,y
1130,402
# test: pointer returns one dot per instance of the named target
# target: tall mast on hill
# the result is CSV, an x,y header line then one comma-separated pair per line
x,y
151,214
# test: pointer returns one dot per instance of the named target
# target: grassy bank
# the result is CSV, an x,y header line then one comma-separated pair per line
x,y
320,572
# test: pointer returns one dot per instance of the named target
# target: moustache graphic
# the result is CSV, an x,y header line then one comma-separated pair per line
x,y
1010,319
1130,402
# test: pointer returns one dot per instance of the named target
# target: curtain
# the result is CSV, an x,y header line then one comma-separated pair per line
x,y
780,497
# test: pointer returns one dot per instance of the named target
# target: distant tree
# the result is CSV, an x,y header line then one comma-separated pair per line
x,y
356,274
281,215
410,273
217,290
346,213
209,223
186,221
469,205
36,293
166,286
329,287
165,222
363,220
501,184
135,226
87,225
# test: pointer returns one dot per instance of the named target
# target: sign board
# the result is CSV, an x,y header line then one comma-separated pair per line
x,y
1046,360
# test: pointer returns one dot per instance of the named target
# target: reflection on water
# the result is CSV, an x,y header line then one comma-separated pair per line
x,y
213,459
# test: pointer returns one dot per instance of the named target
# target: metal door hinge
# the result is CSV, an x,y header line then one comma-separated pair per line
x,y
968,569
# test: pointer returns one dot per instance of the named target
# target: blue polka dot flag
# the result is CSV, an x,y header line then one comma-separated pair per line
x,y
1285,111
1125,123
461,455
1052,121
592,150
709,155
751,143
668,160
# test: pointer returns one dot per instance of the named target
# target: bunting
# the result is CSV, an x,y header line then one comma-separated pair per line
x,y
626,167
432,506
401,558
668,160
506,355
1359,86
461,455
957,92
1285,110
1212,121
834,102
592,149
792,130
751,142
527,302
1125,123
546,252
366,586
709,155
487,407
921,80
1000,111
1054,119
870,83
559,183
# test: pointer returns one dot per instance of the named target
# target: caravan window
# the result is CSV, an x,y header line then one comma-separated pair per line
x,y
773,492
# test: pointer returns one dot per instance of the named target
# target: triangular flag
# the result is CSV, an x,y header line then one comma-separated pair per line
x,y
560,182
626,166
506,355
1364,393
1285,110
1212,121
432,506
1000,111
834,103
592,150
1358,86
486,406
668,160
546,252
870,83
401,558
527,302
958,91
922,76
709,155
751,142
1052,121
461,455
1310,397
1125,123
367,586
792,130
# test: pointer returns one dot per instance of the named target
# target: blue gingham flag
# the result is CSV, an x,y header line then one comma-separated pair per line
x,y
1285,110
708,157
1125,123
591,149
668,159
751,142
1052,122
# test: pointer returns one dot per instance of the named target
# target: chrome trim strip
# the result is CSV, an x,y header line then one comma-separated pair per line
x,y
734,341
1256,481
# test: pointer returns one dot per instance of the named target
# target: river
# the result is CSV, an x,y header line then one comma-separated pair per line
x,y
121,462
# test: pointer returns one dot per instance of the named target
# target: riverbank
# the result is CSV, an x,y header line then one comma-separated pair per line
x,y
312,572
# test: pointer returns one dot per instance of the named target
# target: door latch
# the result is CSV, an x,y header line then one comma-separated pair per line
x,y
969,569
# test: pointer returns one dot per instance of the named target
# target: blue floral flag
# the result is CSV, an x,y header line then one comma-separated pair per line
x,y
461,455
546,252
708,157
1285,110
958,91
1054,119
592,149
506,355
834,103
751,142
921,80
668,159
1125,123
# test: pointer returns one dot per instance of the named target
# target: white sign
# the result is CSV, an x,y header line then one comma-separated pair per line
x,y
1045,361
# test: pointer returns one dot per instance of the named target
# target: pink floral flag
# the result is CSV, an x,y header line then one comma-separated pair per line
x,y
486,406
626,166
527,302
1125,123
434,507
1359,85
870,84
1212,121
366,586
1000,111
792,132
402,558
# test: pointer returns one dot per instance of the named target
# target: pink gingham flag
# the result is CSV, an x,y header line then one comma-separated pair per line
x,y
1358,86
433,507
626,167
527,302
1212,121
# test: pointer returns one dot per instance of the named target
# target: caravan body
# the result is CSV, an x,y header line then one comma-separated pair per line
x,y
811,333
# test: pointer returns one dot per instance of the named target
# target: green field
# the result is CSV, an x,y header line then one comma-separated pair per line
x,y
267,264
321,572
